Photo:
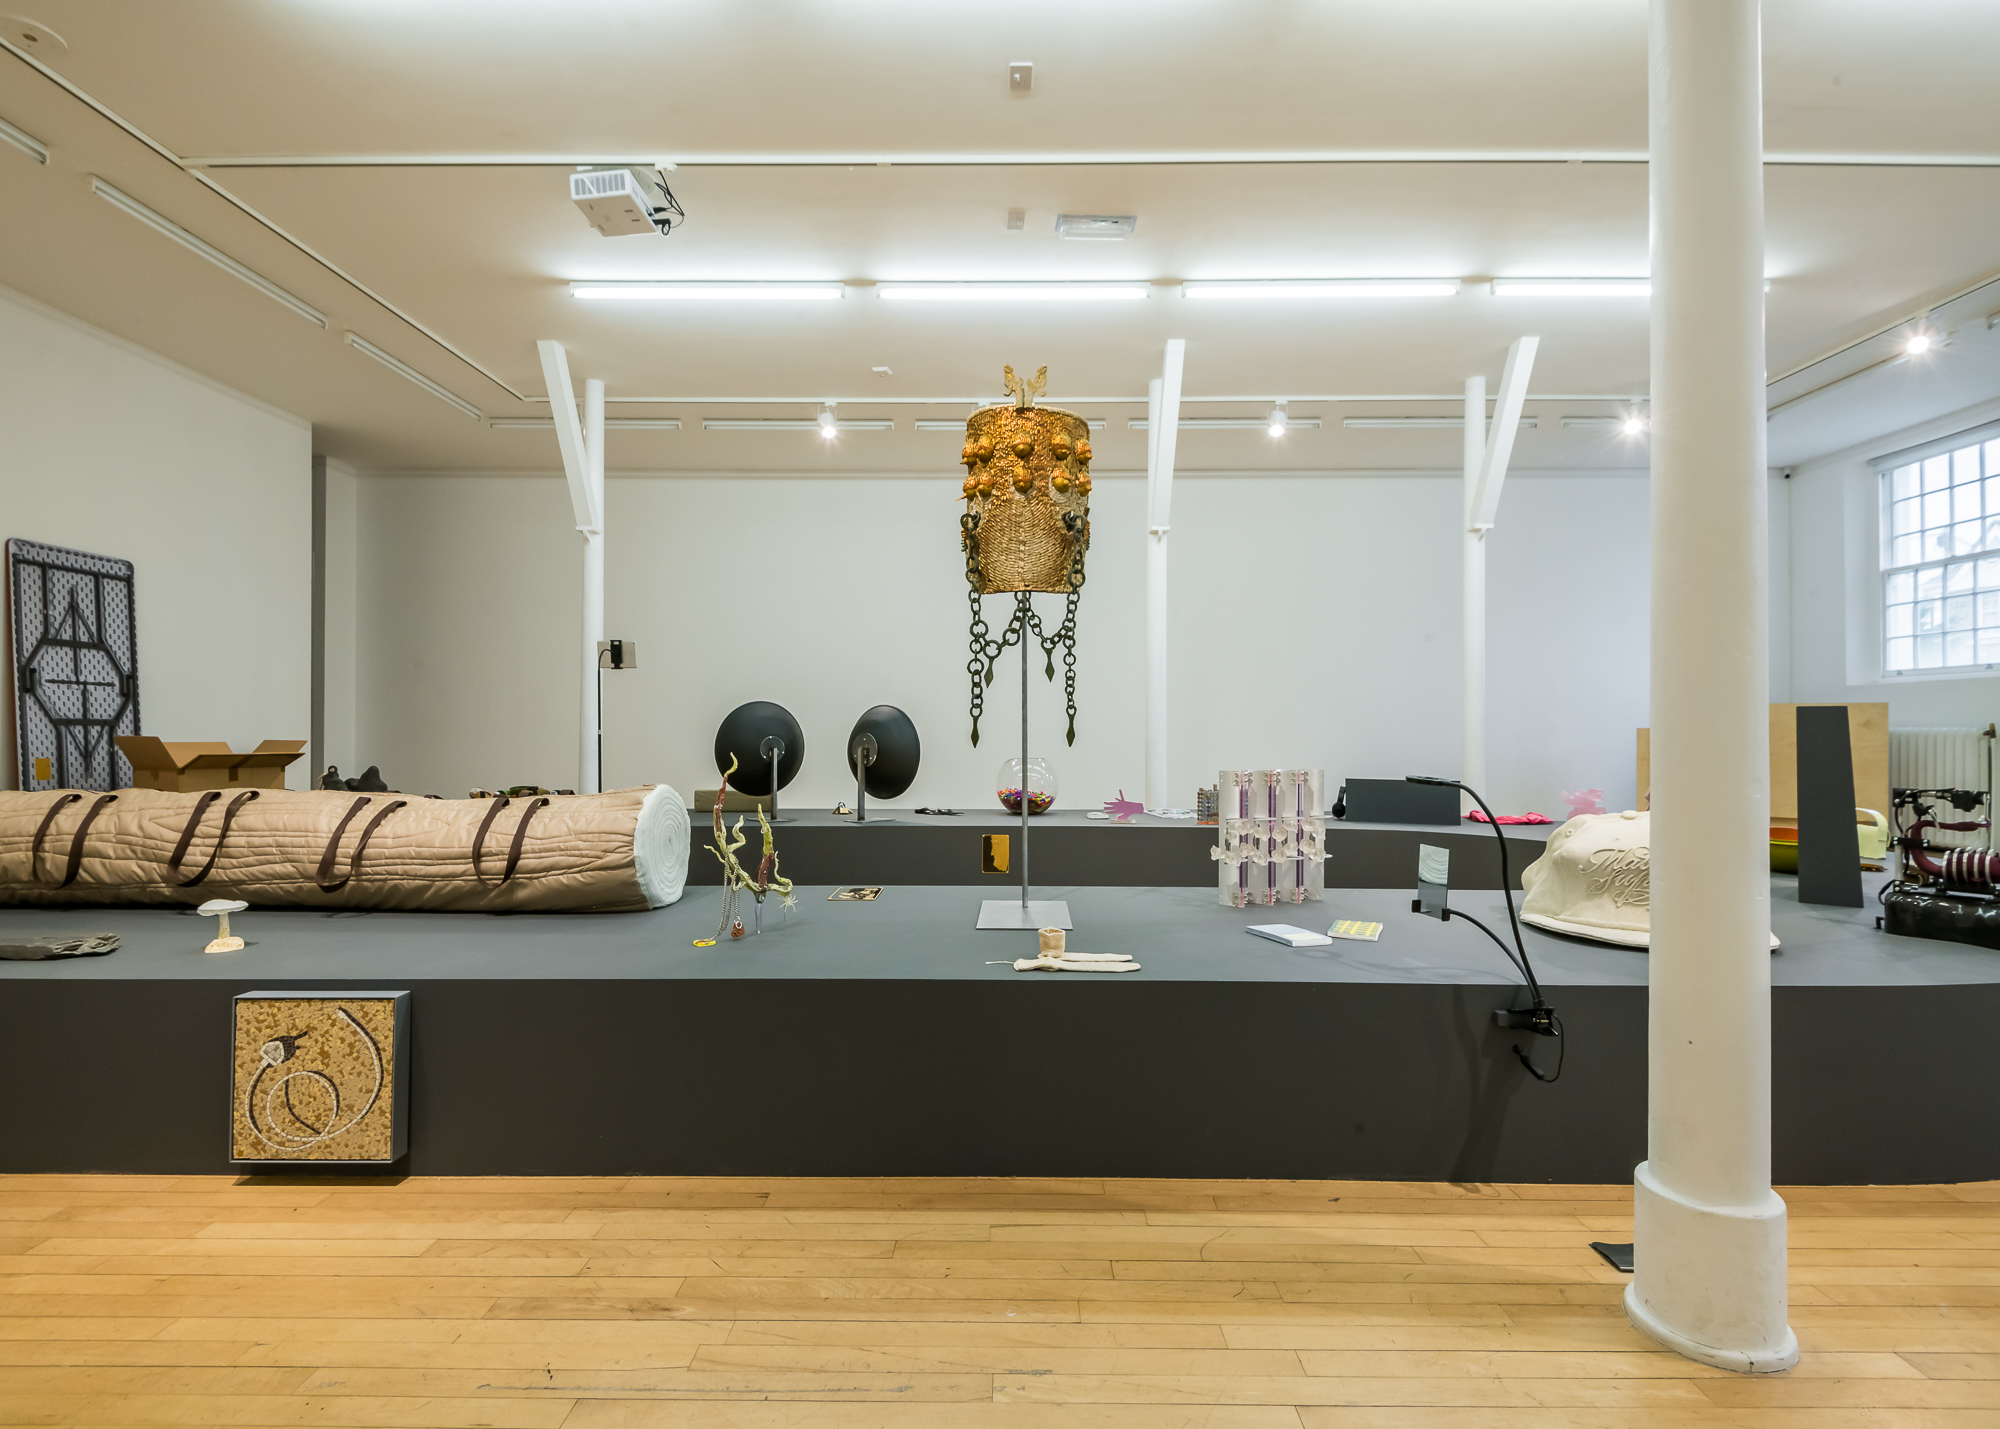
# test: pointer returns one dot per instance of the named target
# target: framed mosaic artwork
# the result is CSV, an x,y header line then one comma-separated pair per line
x,y
320,1077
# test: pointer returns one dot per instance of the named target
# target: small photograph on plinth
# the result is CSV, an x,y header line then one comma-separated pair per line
x,y
320,1077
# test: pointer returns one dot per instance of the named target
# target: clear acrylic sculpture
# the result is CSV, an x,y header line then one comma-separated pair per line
x,y
1270,838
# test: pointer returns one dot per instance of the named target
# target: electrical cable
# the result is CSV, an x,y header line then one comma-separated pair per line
x,y
1451,913
1542,1018
669,215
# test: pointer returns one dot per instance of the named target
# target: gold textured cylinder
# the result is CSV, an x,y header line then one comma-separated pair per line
x,y
1027,469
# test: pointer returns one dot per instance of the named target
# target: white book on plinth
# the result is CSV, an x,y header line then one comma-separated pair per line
x,y
1288,935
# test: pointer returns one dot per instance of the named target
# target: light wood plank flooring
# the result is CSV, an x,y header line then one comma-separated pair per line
x,y
625,1303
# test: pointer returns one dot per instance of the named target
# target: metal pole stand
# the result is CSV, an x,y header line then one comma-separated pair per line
x,y
864,752
773,749
1005,913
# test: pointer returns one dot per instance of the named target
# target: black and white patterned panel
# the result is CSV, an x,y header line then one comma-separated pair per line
x,y
76,666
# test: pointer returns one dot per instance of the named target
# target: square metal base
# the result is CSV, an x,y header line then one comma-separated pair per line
x,y
1008,913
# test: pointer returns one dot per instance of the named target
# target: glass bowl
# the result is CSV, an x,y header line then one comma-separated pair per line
x,y
1041,785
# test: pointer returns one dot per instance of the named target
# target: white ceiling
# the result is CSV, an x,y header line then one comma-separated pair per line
x,y
457,270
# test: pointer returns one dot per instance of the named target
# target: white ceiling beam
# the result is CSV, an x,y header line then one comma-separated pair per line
x,y
876,399
1500,438
1056,158
569,435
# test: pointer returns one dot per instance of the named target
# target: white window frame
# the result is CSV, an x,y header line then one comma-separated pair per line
x,y
1984,443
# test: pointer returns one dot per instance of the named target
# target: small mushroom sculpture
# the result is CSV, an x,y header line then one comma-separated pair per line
x,y
222,908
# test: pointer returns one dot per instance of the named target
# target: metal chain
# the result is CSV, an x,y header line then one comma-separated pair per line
x,y
985,651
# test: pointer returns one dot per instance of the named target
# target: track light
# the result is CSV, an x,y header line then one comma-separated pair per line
x,y
1920,343
828,423
1279,420
1633,426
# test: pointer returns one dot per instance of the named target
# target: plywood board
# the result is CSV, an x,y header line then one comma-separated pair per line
x,y
1867,733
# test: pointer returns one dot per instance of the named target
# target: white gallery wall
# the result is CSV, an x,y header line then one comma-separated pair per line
x,y
105,447
1314,621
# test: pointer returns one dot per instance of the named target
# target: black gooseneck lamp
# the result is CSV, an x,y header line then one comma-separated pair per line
x,y
1539,1018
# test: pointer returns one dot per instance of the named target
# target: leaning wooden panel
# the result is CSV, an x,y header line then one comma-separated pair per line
x,y
320,1076
1868,737
621,851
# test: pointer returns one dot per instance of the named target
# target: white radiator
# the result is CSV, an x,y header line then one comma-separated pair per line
x,y
1945,759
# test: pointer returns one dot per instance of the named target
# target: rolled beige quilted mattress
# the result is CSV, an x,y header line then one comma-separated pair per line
x,y
615,852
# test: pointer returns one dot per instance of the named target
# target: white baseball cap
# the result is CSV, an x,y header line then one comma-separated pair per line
x,y
1596,880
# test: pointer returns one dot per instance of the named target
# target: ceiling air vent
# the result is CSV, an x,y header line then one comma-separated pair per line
x,y
1095,225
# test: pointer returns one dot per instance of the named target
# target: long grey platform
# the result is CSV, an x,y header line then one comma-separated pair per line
x,y
927,934
1069,847
875,1038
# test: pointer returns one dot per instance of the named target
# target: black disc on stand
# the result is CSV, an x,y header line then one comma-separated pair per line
x,y
896,751
744,733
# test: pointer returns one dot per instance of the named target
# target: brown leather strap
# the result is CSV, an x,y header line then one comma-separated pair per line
x,y
333,846
187,834
63,801
520,835
76,843
361,844
222,833
479,839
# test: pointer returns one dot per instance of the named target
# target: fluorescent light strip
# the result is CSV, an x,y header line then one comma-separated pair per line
x,y
708,292
1419,423
1013,292
1205,290
611,424
1572,287
1225,424
798,424
402,369
162,224
1096,424
159,223
24,141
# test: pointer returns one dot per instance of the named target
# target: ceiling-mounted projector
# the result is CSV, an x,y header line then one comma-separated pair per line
x,y
622,200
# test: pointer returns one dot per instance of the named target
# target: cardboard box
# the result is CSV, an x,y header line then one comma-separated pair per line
x,y
189,766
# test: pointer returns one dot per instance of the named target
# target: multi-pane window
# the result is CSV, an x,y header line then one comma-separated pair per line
x,y
1941,561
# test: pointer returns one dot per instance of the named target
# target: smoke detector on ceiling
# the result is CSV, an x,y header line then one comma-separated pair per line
x,y
31,35
620,201
1095,225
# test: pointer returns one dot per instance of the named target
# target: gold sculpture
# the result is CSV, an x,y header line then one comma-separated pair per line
x,y
1026,525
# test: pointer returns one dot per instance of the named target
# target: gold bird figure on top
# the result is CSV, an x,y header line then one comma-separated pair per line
x,y
1024,393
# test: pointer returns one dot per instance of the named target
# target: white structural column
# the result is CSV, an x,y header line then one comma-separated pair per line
x,y
590,779
582,447
1709,1231
1472,597
1163,425
1486,456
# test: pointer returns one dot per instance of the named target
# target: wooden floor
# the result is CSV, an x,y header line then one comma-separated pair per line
x,y
1075,1304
